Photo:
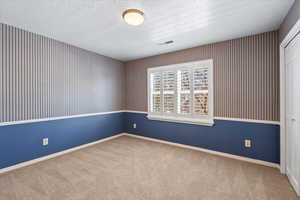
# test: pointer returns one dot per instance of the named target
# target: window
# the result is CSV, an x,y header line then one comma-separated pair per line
x,y
181,93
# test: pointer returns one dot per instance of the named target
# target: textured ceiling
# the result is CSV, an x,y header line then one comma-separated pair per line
x,y
97,25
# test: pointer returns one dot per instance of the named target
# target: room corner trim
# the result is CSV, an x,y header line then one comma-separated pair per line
x,y
37,160
291,34
227,155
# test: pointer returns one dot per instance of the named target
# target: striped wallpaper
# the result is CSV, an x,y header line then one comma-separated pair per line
x,y
246,76
42,78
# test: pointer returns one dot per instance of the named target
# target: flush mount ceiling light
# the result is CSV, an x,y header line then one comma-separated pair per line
x,y
133,17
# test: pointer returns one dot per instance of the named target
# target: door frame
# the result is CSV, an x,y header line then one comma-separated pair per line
x,y
283,140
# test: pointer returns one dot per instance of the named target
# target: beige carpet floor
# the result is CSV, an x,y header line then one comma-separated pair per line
x,y
127,168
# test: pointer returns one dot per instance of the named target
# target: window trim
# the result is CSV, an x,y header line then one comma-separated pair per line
x,y
180,118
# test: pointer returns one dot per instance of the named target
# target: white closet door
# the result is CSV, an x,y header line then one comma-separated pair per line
x,y
292,58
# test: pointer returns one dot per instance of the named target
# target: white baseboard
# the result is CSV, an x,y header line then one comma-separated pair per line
x,y
31,162
227,155
293,182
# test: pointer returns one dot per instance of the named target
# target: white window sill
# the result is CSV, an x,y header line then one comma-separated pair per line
x,y
203,122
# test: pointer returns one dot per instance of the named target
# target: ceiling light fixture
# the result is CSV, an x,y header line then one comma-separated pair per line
x,y
133,17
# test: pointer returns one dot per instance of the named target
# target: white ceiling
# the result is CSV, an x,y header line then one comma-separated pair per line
x,y
97,25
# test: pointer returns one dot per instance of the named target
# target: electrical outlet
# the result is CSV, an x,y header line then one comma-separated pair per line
x,y
248,143
45,141
134,125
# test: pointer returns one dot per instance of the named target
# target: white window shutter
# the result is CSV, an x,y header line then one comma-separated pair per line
x,y
156,92
169,91
200,91
184,92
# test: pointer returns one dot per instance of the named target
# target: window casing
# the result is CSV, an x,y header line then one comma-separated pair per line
x,y
181,93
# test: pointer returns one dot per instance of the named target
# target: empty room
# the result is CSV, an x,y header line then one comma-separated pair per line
x,y
149,100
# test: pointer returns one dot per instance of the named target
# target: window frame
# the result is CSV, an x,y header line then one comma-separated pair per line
x,y
206,120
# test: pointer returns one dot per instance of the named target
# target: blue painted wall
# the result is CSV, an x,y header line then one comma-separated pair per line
x,y
224,136
23,142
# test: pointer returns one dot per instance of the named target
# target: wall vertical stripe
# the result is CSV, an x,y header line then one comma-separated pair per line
x,y
246,76
42,78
